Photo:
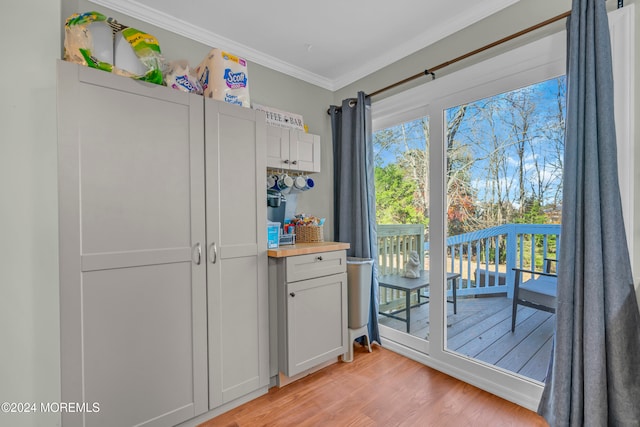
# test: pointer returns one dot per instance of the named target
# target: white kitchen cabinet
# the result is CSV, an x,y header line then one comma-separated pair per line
x,y
237,252
312,309
291,149
132,234
163,262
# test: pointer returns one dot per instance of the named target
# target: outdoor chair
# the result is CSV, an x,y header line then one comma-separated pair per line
x,y
539,292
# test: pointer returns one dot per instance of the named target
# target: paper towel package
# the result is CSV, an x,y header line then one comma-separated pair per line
x,y
88,40
138,53
224,77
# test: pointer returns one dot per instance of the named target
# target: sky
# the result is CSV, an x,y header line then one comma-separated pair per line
x,y
490,123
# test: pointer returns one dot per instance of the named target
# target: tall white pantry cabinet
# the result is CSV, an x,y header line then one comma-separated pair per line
x,y
163,259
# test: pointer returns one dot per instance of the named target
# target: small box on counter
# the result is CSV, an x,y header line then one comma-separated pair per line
x,y
287,239
273,234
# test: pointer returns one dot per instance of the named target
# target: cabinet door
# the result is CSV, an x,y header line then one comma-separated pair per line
x,y
316,322
277,147
237,251
132,287
304,151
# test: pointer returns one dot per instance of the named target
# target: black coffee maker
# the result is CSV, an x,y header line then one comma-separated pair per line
x,y
276,206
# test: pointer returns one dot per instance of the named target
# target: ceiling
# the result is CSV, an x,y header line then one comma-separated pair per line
x,y
329,43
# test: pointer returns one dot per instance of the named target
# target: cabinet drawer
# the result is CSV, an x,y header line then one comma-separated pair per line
x,y
302,267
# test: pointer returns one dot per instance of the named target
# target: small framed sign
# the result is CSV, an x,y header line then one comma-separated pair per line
x,y
281,118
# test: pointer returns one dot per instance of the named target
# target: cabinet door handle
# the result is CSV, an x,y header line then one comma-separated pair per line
x,y
293,294
196,254
295,162
213,253
286,162
319,258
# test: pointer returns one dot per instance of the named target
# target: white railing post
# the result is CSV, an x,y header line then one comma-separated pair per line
x,y
511,258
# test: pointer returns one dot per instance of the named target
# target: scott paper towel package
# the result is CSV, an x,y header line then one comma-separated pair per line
x,y
224,77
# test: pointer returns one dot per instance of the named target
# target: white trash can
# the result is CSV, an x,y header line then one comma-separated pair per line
x,y
359,271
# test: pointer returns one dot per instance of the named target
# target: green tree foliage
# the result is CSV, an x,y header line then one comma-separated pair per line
x,y
396,197
503,165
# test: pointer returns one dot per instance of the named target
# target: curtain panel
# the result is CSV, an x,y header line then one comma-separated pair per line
x,y
354,190
594,377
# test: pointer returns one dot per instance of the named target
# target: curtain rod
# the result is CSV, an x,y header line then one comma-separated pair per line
x,y
431,71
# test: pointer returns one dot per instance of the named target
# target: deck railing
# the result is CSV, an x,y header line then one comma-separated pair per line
x,y
395,243
484,258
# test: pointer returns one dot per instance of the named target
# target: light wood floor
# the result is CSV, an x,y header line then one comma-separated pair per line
x,y
378,389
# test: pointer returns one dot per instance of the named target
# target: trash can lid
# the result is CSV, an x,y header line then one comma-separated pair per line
x,y
356,260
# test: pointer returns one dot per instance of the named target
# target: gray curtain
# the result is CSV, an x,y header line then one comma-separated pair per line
x,y
594,378
354,191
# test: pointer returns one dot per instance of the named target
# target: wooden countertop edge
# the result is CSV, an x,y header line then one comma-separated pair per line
x,y
306,248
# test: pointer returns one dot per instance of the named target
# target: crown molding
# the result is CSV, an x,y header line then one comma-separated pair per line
x,y
185,29
190,31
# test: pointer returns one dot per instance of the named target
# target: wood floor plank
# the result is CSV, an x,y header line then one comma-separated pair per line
x,y
538,366
380,388
496,351
516,359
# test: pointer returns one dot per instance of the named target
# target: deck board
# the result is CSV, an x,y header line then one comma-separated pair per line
x,y
482,329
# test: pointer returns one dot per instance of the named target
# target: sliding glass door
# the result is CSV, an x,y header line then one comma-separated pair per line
x,y
491,166
487,189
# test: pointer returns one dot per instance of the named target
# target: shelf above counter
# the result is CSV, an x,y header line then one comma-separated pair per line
x,y
306,248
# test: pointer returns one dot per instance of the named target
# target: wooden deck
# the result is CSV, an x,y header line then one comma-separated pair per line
x,y
482,330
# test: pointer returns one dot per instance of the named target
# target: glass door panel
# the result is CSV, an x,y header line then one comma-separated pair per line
x,y
402,212
504,161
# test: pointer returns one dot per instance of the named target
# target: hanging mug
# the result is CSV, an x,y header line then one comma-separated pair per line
x,y
272,181
300,182
285,182
310,184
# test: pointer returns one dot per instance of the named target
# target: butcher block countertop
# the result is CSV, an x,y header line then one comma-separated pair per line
x,y
306,248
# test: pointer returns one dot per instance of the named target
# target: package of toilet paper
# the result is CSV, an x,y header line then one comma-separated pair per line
x,y
178,75
224,77
88,40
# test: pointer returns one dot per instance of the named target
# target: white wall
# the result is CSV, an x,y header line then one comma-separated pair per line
x,y
29,336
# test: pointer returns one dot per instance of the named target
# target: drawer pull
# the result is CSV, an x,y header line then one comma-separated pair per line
x,y
319,258
293,294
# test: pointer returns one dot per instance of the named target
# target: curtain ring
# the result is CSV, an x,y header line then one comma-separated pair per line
x,y
352,102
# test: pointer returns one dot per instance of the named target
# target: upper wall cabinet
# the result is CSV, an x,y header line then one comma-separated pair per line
x,y
291,149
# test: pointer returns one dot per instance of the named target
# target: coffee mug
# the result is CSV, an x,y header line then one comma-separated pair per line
x,y
272,180
310,184
284,182
300,182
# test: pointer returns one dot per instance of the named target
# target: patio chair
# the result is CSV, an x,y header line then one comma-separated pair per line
x,y
539,292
